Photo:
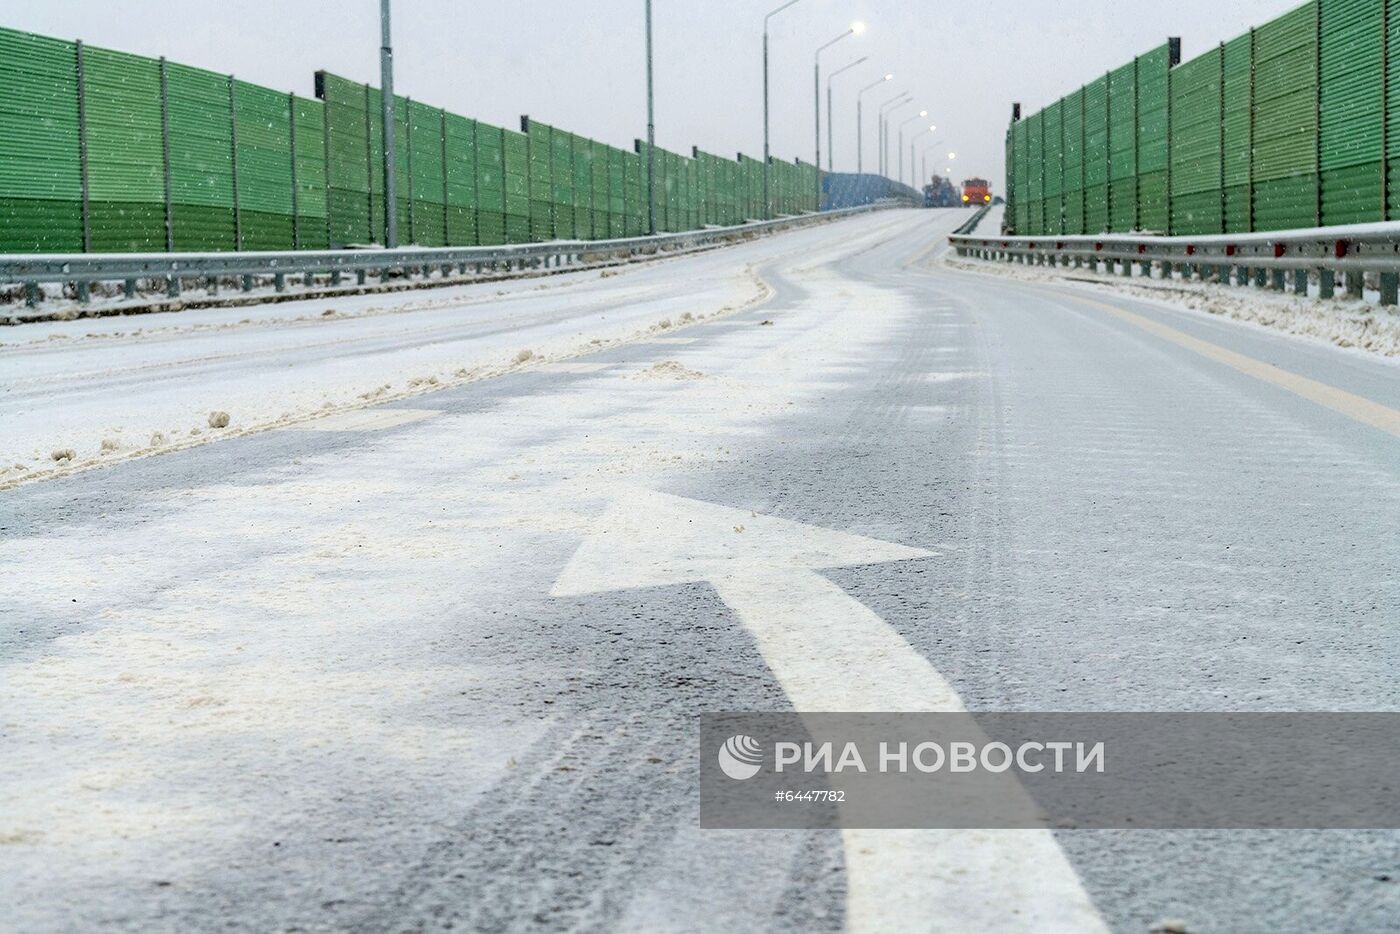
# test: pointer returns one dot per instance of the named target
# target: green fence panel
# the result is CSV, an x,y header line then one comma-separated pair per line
x,y
264,167
1053,130
1352,120
201,158
310,156
1286,121
40,177
1020,174
1196,153
635,194
1096,156
374,122
347,159
516,179
490,185
1153,82
602,191
562,167
583,187
1391,125
425,175
538,146
1035,178
1072,176
461,180
1122,147
126,162
1237,130
617,188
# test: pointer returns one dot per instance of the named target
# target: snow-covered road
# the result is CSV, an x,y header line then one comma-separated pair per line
x,y
374,671
108,388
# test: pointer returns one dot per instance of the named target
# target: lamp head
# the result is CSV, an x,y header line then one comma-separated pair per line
x,y
857,28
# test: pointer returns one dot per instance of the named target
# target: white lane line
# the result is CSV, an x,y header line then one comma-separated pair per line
x,y
831,653
364,420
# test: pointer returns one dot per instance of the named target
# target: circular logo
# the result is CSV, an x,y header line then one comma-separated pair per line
x,y
740,757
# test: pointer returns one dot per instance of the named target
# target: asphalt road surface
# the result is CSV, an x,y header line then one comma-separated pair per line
x,y
438,662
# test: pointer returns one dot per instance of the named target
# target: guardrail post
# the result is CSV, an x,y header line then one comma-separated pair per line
x,y
247,282
84,291
1355,283
1390,288
129,288
212,285
335,277
172,286
1278,282
1145,267
359,277
279,281
1241,275
1300,282
1261,277
1326,283
1127,269
31,294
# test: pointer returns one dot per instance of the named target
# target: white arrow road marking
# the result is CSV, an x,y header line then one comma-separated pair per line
x,y
831,653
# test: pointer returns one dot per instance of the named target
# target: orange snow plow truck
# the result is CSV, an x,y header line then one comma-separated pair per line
x,y
976,191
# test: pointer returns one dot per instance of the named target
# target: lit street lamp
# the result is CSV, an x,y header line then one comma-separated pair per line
x,y
830,139
856,29
860,148
918,116
768,205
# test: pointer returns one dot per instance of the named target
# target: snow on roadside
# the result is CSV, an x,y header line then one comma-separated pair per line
x,y
72,402
1350,324
990,224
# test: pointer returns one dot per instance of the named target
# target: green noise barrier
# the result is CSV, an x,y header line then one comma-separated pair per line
x,y
105,151
1292,125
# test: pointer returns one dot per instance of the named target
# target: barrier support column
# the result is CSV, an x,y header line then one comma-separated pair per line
x,y
1355,283
1390,288
1326,283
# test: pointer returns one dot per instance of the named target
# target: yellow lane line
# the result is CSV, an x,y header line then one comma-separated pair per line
x,y
1338,400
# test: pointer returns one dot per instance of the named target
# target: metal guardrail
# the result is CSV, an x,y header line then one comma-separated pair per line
x,y
1263,259
82,270
973,221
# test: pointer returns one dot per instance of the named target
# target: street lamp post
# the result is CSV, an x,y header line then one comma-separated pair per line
x,y
830,138
651,132
386,94
912,140
856,29
860,147
918,116
767,205
895,103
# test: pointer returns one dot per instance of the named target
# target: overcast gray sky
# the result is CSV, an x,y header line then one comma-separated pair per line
x,y
580,65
